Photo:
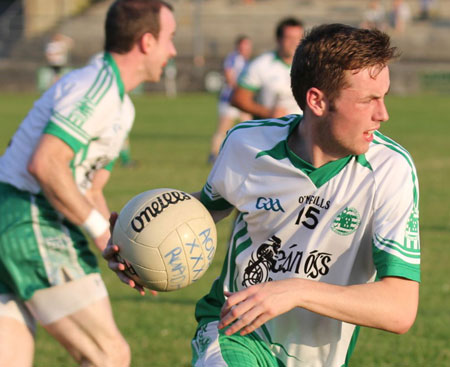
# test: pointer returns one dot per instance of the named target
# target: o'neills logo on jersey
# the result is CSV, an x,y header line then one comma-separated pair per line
x,y
346,222
156,207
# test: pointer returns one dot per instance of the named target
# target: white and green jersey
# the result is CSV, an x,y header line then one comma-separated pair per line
x,y
89,110
347,222
269,77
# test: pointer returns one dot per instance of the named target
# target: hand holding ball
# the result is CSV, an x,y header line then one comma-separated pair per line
x,y
167,238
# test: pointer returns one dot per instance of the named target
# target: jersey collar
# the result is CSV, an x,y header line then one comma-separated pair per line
x,y
110,60
318,176
279,59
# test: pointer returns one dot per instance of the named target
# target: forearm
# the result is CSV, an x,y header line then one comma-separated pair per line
x,y
390,304
95,193
61,191
243,99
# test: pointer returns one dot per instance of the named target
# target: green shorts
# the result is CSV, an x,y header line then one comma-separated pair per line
x,y
212,348
38,247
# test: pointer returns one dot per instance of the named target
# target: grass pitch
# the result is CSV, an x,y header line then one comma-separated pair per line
x,y
170,142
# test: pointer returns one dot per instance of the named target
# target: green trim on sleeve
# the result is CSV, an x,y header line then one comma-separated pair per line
x,y
244,85
219,204
56,130
389,265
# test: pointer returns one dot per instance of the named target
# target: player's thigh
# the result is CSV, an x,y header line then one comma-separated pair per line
x,y
16,332
212,348
84,301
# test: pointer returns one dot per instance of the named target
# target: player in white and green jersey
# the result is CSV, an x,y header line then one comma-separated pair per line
x,y
264,86
327,236
88,110
52,177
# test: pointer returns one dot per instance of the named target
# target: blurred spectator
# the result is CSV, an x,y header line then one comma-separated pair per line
x,y
425,8
57,54
170,78
264,87
400,15
374,16
233,65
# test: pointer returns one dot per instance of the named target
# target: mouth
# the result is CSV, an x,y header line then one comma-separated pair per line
x,y
368,135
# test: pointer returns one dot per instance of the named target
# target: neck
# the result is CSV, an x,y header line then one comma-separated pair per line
x,y
129,68
307,143
286,59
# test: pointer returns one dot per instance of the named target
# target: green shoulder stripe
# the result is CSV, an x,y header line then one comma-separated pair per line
x,y
388,143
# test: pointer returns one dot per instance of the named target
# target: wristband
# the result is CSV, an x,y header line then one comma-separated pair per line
x,y
95,224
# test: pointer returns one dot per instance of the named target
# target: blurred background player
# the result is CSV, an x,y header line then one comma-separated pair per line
x,y
399,16
264,86
57,52
234,64
52,177
374,16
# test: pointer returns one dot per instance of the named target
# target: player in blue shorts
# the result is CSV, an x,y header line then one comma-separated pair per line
x,y
52,177
234,64
327,234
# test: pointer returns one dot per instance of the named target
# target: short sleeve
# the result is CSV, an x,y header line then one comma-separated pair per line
x,y
250,77
396,242
81,108
221,190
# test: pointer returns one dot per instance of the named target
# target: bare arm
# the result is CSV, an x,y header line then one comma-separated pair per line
x,y
230,77
95,193
217,215
244,100
50,166
389,304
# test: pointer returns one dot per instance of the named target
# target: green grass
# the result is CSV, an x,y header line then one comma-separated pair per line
x,y
170,141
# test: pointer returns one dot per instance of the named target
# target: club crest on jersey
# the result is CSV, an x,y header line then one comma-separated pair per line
x,y
346,222
412,230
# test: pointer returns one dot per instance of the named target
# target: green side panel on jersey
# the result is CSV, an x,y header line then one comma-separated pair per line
x,y
352,345
236,250
208,308
56,130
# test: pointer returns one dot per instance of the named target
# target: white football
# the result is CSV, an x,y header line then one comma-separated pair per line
x,y
167,238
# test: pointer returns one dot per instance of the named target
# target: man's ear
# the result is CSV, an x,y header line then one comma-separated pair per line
x,y
146,43
316,101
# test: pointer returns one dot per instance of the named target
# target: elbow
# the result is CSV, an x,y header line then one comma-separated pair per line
x,y
32,168
403,321
36,167
403,324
